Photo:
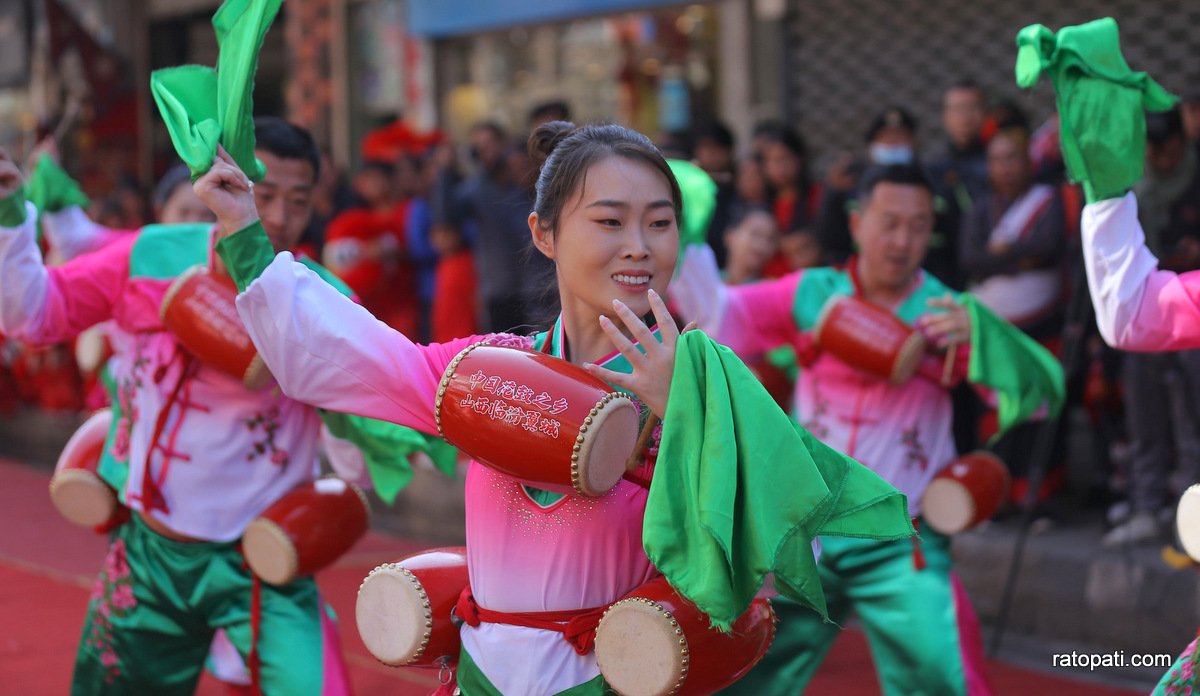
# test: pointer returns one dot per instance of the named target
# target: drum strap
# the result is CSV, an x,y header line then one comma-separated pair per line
x,y
578,626
253,662
918,556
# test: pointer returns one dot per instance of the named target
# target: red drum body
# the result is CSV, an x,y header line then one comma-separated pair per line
x,y
199,310
76,489
404,608
1187,521
870,338
536,417
965,493
654,642
305,530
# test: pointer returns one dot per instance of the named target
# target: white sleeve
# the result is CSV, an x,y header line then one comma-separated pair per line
x,y
698,291
1138,307
329,352
71,232
346,459
23,276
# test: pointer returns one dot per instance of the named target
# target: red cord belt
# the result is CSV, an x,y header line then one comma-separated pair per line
x,y
577,626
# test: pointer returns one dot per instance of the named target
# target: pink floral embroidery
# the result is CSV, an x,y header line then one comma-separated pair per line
x,y
268,423
1181,679
119,447
914,450
112,597
508,340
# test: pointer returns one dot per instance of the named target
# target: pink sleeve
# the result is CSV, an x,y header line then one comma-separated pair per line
x,y
1138,307
327,351
46,305
758,317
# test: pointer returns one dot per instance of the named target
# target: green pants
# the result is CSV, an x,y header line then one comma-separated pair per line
x,y
157,603
914,620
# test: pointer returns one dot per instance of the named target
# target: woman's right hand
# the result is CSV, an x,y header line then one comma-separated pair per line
x,y
228,192
11,178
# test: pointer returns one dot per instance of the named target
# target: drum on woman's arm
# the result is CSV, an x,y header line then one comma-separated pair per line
x,y
536,418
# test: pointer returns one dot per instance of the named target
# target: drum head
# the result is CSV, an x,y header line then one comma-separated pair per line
x,y
269,552
1187,521
81,497
393,615
606,445
90,349
947,506
641,649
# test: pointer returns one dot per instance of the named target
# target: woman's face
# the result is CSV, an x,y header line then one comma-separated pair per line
x,y
781,166
1008,165
617,238
751,186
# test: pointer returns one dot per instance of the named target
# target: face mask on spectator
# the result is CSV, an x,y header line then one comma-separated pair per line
x,y
891,154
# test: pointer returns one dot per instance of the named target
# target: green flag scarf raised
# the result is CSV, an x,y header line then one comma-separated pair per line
x,y
51,189
1101,102
203,107
699,202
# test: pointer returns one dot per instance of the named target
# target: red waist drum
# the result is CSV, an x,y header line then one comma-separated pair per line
x,y
305,530
654,642
965,493
404,608
536,417
199,310
870,338
76,489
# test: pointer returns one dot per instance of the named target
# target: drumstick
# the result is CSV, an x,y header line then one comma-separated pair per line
x,y
652,421
948,366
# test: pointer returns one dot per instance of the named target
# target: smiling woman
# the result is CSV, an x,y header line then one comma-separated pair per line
x,y
546,560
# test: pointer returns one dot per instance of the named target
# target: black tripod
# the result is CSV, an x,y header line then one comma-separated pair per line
x,y
1079,314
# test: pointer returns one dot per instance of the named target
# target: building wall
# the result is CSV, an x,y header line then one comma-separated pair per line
x,y
848,60
309,35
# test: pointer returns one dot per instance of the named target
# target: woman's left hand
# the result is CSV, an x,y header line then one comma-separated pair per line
x,y
650,380
950,326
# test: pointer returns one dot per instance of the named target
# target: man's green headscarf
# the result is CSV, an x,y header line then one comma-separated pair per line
x,y
203,107
1101,102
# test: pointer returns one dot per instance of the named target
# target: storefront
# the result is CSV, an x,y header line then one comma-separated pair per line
x,y
650,65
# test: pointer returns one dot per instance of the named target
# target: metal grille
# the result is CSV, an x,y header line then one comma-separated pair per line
x,y
848,59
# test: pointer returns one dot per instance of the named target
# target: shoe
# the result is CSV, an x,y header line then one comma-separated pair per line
x,y
1119,512
1141,527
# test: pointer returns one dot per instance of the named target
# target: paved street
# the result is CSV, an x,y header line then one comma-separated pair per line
x,y
47,564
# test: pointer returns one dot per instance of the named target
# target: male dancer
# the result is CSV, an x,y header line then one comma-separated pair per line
x,y
205,455
922,630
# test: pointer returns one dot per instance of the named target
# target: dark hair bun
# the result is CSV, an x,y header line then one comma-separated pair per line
x,y
545,138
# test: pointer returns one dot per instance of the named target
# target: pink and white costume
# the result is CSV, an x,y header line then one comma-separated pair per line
x,y
523,557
